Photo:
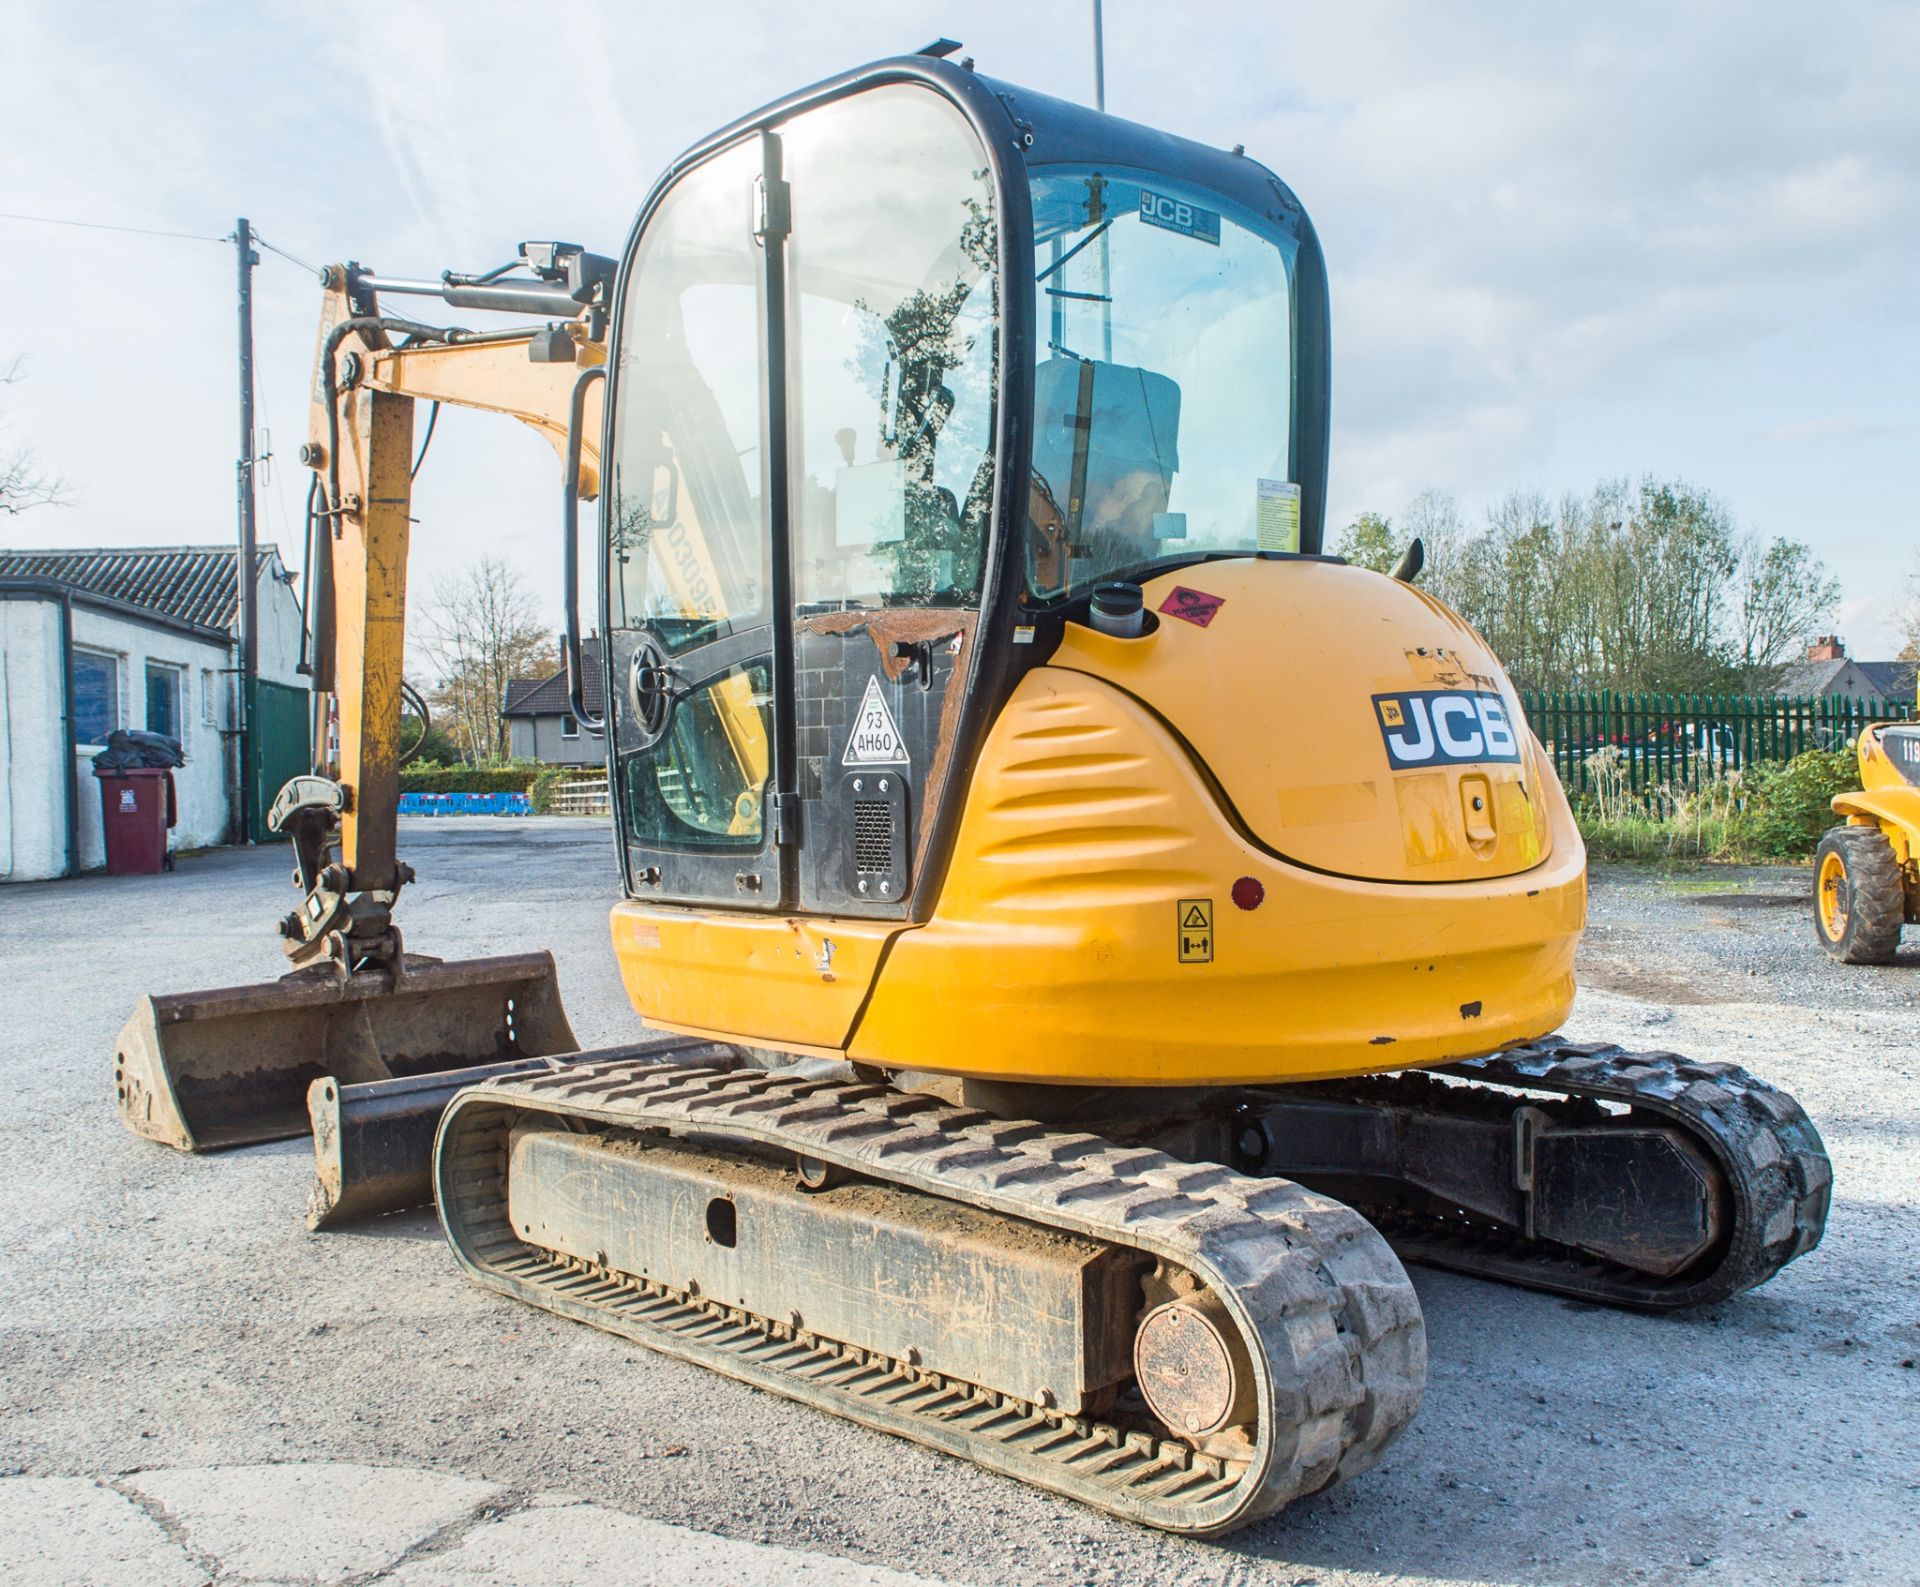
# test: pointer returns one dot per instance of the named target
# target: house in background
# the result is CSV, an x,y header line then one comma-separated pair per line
x,y
540,722
96,640
1829,670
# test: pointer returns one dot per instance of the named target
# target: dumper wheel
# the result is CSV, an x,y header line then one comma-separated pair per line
x,y
1859,898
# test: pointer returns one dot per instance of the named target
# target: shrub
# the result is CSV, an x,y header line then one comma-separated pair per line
x,y
1788,804
545,784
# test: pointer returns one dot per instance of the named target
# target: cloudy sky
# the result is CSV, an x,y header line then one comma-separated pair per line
x,y
1565,244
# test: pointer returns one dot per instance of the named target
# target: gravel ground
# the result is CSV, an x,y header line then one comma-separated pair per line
x,y
168,1314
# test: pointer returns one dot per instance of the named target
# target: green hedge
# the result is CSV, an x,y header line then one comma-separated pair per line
x,y
469,779
546,783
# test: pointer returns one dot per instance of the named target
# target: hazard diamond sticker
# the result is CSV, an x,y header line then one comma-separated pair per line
x,y
874,741
1192,606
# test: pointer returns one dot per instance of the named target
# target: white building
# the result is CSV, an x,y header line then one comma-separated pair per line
x,y
91,641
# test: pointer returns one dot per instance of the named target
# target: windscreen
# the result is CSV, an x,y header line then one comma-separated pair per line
x,y
1163,391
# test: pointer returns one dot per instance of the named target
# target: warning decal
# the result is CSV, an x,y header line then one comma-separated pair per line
x,y
1195,606
1193,930
1277,520
874,741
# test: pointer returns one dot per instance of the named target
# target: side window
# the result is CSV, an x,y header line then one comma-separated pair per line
x,y
1162,394
96,695
710,774
891,322
686,546
164,713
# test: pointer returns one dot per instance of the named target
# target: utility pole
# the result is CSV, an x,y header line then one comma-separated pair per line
x,y
1106,261
249,616
1099,61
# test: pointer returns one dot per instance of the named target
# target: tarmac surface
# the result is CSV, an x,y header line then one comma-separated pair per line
x,y
194,1389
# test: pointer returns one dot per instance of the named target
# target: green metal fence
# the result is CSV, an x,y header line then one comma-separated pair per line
x,y
1660,742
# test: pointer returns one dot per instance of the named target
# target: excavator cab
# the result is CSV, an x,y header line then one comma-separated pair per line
x,y
905,368
900,375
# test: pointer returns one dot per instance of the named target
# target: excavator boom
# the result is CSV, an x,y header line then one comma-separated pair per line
x,y
228,1067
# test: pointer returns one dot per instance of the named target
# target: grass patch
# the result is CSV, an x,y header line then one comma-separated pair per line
x,y
1766,812
1644,837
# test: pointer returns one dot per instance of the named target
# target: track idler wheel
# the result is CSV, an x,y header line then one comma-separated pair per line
x,y
1190,1363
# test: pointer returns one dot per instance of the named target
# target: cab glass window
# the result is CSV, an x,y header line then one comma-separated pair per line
x,y
1163,386
705,784
686,548
892,325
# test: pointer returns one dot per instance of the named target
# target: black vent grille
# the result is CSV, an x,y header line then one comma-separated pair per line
x,y
872,837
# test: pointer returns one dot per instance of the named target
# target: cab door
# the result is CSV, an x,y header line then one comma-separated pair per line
x,y
693,684
891,341
799,505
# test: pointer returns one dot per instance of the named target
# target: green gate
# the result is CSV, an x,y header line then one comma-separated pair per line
x,y
282,719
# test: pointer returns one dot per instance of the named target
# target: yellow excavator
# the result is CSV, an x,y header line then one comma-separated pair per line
x,y
1092,935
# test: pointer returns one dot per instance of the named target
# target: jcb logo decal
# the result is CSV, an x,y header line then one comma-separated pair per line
x,y
1445,727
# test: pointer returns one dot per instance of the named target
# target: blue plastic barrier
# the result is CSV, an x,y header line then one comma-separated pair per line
x,y
466,804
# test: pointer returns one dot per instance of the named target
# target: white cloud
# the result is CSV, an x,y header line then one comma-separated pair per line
x,y
1563,244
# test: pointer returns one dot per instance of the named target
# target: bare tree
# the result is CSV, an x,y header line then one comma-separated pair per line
x,y
1785,596
481,628
23,482
1907,616
1433,518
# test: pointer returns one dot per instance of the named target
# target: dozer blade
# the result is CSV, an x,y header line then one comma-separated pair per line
x,y
373,1143
201,1071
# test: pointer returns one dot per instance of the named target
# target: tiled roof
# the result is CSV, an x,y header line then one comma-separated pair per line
x,y
193,584
1809,678
1892,680
548,696
1888,680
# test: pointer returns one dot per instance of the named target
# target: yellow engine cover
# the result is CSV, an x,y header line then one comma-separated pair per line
x,y
1136,895
1303,681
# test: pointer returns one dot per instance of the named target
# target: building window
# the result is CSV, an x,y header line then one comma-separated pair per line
x,y
569,727
163,700
96,696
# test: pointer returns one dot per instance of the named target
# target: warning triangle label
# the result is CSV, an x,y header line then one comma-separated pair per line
x,y
874,741
1194,919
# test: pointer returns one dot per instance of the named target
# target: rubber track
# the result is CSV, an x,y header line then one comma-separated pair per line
x,y
1776,1166
1325,1307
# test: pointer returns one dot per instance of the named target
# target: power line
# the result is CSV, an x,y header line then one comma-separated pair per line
x,y
294,258
149,231
96,225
